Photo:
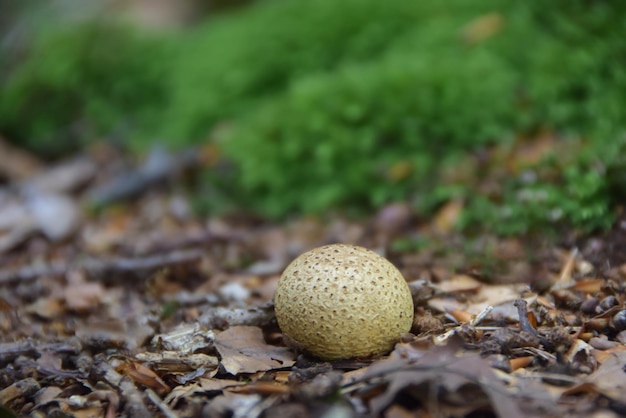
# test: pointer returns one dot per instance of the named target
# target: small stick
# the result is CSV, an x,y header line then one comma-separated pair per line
x,y
565,276
522,312
27,348
481,316
440,339
221,317
126,387
98,266
21,388
166,410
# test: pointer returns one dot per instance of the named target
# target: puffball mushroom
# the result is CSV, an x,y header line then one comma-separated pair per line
x,y
341,301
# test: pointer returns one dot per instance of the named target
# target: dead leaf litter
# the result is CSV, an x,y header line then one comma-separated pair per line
x,y
141,308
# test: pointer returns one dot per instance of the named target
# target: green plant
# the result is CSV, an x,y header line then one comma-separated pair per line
x,y
230,66
336,139
354,104
82,81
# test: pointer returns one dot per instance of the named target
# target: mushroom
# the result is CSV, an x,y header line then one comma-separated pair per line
x,y
342,301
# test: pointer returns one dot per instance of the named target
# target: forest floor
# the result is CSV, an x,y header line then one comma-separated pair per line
x,y
117,300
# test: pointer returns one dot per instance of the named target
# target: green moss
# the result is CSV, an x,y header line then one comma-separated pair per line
x,y
362,123
333,139
80,82
230,66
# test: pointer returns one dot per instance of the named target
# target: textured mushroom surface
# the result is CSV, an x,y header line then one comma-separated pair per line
x,y
342,301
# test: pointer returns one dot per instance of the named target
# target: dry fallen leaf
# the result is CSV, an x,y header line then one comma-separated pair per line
x,y
589,286
442,373
460,283
81,295
474,301
243,350
89,412
262,388
211,385
46,307
609,379
141,374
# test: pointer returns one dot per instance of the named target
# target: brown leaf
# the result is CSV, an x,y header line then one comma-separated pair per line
x,y
177,361
461,316
89,412
500,297
182,391
460,283
46,307
50,362
589,286
80,295
441,369
262,388
243,350
520,362
609,379
141,374
210,385
25,387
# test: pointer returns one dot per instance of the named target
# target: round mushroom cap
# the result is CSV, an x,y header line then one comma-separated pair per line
x,y
342,301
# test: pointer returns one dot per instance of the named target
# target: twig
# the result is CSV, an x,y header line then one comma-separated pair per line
x,y
534,351
193,241
27,348
160,404
135,406
97,266
565,276
185,339
522,312
258,409
10,351
21,388
481,316
178,361
439,368
28,273
440,339
224,317
552,376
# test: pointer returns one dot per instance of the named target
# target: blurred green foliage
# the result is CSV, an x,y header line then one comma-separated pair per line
x,y
80,81
355,104
371,134
231,65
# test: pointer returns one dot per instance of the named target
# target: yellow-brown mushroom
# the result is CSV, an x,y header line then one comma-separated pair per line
x,y
342,301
